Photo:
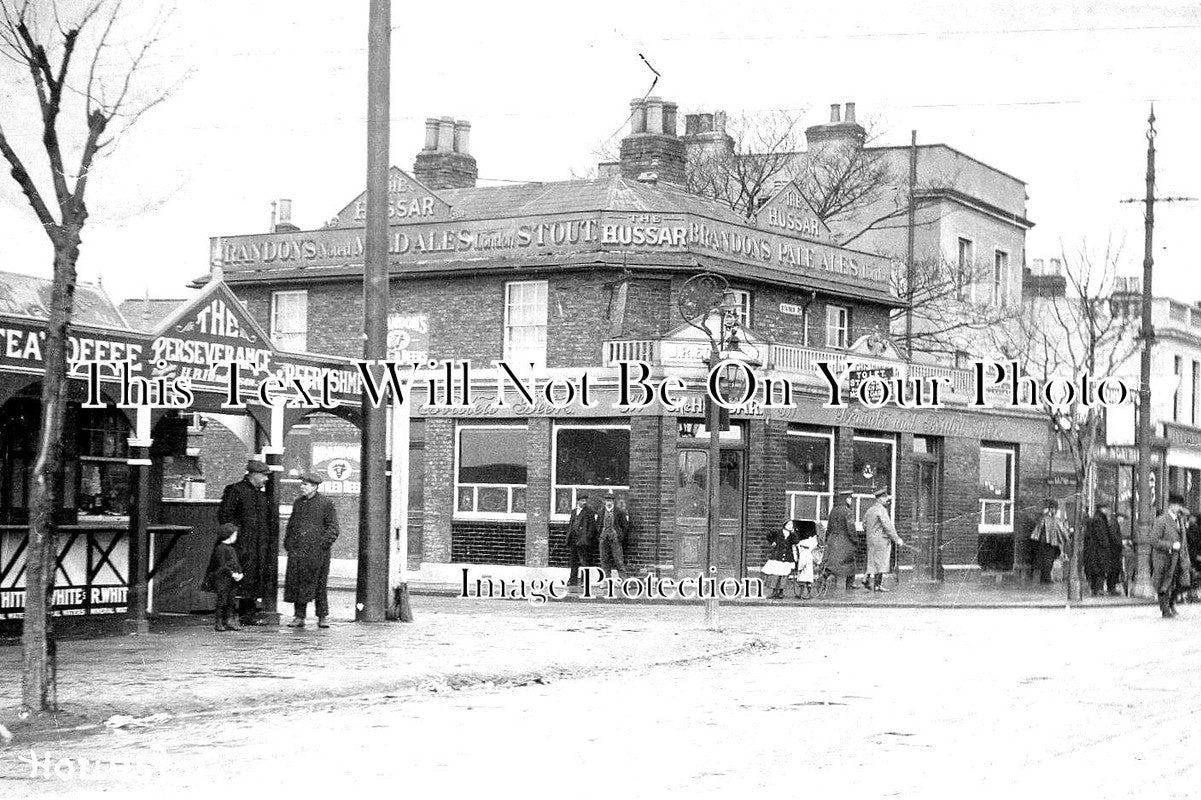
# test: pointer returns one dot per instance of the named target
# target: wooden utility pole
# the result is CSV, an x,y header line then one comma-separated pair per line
x,y
910,246
372,590
1146,512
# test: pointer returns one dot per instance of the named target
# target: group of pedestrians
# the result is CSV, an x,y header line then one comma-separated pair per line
x,y
236,573
605,532
791,548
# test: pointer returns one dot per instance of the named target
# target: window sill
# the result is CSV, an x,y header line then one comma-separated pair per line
x,y
467,516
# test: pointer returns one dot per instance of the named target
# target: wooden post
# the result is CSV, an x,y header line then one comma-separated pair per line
x,y
138,576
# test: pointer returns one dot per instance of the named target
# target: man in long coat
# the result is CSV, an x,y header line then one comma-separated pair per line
x,y
1167,566
312,530
1100,541
840,543
881,535
1051,538
581,537
245,504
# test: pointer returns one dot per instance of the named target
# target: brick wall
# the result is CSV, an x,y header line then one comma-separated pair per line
x,y
961,507
538,491
487,543
439,489
643,500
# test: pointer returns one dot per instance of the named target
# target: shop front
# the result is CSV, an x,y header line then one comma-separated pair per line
x,y
131,541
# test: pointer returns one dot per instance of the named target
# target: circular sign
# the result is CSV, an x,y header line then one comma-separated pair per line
x,y
338,469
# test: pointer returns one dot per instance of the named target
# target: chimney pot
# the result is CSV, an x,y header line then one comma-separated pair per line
x,y
834,111
431,133
637,115
654,115
463,137
446,135
850,115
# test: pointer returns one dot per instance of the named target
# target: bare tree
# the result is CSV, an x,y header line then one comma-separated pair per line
x,y
955,309
81,65
1084,332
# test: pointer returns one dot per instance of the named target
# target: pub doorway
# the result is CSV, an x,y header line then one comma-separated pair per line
x,y
692,500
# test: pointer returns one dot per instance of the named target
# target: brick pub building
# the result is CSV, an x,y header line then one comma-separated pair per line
x,y
579,275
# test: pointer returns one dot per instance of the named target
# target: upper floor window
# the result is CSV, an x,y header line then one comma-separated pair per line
x,y
1000,277
965,267
837,326
743,311
525,323
290,320
1177,364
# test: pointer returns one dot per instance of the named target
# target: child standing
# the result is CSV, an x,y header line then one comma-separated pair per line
x,y
802,552
224,572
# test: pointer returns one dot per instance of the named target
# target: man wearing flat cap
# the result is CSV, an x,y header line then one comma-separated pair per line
x,y
245,504
881,536
312,530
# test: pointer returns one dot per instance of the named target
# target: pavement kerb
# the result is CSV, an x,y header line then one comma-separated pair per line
x,y
425,685
947,603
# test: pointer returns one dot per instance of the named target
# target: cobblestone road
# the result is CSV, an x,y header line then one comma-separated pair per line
x,y
849,702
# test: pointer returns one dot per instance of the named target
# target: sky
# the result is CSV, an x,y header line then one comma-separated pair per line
x,y
267,100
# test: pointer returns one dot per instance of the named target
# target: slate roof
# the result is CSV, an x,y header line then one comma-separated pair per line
x,y
145,314
29,296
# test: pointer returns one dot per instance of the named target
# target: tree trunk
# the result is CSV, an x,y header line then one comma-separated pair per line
x,y
1073,572
39,691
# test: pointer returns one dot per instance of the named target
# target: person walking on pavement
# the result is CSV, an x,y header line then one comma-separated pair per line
x,y
1051,537
840,544
626,524
881,536
1098,548
1129,555
804,536
222,578
581,537
613,528
312,530
245,504
1167,569
1114,577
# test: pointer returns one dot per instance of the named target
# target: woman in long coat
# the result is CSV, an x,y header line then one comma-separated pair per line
x,y
311,532
840,545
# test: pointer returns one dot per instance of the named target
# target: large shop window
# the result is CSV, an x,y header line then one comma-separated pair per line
x,y
810,470
997,486
589,460
490,471
875,468
525,324
290,320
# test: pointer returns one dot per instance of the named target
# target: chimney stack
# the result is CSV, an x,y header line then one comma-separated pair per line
x,y
839,132
281,217
705,136
653,145
445,162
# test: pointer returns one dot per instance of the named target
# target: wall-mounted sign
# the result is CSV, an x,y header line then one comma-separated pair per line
x,y
408,338
408,200
788,211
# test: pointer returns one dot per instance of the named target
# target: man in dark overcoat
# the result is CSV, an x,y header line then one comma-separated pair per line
x,y
581,538
312,530
1099,546
245,504
840,544
1167,566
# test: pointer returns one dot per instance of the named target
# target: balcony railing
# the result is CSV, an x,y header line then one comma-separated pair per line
x,y
791,359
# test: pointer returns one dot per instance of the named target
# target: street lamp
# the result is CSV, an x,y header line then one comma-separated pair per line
x,y
706,302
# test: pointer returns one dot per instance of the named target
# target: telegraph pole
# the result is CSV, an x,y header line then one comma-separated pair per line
x,y
910,246
1146,513
372,588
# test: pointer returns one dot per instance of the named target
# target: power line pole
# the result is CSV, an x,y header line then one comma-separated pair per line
x,y
911,244
372,586
1146,513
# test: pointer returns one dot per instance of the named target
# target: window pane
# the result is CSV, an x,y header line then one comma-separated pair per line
x,y
995,469
692,494
873,466
492,455
808,466
493,500
590,457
